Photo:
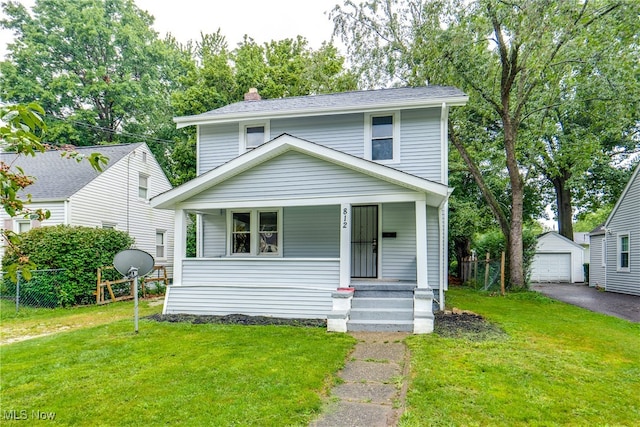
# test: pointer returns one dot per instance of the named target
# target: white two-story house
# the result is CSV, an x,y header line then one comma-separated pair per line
x,y
328,206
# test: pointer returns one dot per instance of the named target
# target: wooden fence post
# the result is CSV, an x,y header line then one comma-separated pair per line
x,y
486,271
502,274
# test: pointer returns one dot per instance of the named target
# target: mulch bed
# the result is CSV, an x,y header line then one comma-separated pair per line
x,y
467,325
238,319
456,324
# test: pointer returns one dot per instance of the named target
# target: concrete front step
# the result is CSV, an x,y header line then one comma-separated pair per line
x,y
380,314
406,303
378,293
378,326
383,286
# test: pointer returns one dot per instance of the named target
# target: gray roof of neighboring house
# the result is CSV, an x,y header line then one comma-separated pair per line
x,y
57,177
598,230
337,100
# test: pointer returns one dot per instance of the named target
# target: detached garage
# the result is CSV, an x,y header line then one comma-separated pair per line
x,y
557,259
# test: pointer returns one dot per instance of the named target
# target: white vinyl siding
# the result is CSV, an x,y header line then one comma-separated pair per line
x,y
110,198
214,241
341,132
267,286
311,231
296,175
433,248
399,253
625,220
597,260
420,152
217,145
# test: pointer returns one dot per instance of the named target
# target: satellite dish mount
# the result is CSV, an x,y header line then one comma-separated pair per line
x,y
134,263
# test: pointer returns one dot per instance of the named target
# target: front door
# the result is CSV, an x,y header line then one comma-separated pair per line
x,y
364,242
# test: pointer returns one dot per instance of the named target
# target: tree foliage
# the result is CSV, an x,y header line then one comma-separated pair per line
x,y
96,67
80,251
21,130
217,76
505,57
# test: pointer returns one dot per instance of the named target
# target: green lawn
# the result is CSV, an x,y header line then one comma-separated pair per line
x,y
35,322
559,365
173,373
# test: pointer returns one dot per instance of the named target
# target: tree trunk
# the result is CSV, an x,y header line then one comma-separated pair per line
x,y
462,250
563,203
515,244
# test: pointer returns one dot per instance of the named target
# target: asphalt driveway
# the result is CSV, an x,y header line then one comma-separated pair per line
x,y
614,304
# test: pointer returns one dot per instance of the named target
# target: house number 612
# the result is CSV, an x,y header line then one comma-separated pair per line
x,y
345,213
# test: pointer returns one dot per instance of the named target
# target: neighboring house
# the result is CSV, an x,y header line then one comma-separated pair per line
x,y
615,246
118,197
597,259
300,199
582,238
557,259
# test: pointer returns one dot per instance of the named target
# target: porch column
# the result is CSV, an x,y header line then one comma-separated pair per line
x,y
421,244
345,245
179,245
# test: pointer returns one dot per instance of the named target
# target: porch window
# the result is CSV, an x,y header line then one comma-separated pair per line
x,y
255,232
241,235
623,252
382,139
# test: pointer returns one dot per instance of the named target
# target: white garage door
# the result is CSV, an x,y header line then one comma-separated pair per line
x,y
551,268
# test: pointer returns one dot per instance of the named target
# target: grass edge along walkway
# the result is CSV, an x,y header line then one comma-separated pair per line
x,y
558,365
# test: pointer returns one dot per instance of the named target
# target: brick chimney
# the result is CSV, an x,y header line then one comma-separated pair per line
x,y
252,95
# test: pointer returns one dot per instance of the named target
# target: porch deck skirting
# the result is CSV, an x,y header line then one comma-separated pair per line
x,y
278,287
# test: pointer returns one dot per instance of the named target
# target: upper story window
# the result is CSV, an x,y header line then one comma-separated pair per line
x,y
623,252
603,248
253,135
255,232
143,186
144,157
382,137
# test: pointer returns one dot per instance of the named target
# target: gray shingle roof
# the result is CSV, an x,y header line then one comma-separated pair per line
x,y
344,100
58,177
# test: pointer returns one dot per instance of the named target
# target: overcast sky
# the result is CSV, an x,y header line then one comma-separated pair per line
x,y
263,20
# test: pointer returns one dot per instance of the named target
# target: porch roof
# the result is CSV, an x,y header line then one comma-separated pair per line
x,y
434,192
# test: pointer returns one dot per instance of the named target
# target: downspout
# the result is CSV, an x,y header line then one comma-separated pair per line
x,y
443,217
443,223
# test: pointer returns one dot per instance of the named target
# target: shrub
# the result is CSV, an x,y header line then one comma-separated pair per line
x,y
78,250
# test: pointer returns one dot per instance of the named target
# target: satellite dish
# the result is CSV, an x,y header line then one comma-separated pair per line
x,y
132,261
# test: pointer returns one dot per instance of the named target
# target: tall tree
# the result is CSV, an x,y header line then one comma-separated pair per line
x,y
94,65
501,53
217,76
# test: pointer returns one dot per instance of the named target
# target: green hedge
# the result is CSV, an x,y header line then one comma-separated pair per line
x,y
78,250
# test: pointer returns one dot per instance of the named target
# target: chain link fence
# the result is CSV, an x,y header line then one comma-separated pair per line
x,y
42,290
483,274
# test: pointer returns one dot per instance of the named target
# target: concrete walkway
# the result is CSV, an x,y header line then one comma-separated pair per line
x,y
619,305
374,383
